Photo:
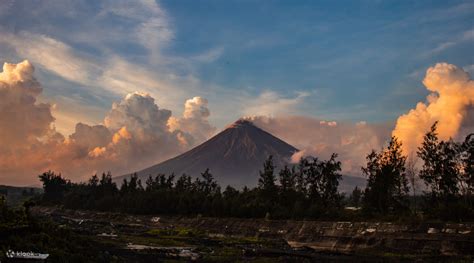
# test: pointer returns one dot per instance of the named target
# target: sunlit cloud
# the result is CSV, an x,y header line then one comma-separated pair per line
x,y
135,133
452,95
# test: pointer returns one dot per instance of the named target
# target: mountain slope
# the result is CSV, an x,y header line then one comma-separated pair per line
x,y
234,156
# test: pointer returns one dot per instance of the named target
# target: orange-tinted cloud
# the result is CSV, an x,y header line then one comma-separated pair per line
x,y
450,103
134,134
26,133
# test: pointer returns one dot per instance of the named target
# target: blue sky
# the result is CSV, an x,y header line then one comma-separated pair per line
x,y
335,60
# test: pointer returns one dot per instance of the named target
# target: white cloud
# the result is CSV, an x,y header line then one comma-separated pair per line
x,y
152,30
53,55
465,36
210,55
270,103
194,120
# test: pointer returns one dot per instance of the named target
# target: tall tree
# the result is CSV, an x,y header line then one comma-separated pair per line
x,y
355,197
132,186
467,157
266,181
440,169
330,177
313,179
287,186
387,186
412,174
266,184
300,176
54,186
287,179
209,186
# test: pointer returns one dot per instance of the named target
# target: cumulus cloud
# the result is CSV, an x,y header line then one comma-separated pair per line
x,y
18,93
195,119
321,138
135,133
450,103
138,111
26,126
86,136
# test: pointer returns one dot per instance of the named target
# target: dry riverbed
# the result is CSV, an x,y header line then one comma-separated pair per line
x,y
136,238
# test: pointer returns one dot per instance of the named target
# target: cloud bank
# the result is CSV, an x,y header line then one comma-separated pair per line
x,y
316,137
135,133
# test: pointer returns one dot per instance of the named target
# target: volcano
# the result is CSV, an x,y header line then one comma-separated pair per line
x,y
234,157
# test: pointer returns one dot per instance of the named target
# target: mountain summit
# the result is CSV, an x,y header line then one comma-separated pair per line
x,y
234,156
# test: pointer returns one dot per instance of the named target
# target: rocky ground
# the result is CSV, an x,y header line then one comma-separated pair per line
x,y
171,238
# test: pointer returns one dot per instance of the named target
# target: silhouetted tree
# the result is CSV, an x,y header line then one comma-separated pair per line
x,y
300,176
412,175
209,186
288,194
132,186
387,186
313,180
356,197
266,181
440,169
287,179
330,177
54,186
467,159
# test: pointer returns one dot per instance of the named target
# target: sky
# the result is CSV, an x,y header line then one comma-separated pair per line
x,y
193,67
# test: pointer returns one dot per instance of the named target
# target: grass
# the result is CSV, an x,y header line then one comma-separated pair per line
x,y
176,232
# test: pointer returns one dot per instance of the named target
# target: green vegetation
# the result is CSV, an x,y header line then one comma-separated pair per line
x,y
21,232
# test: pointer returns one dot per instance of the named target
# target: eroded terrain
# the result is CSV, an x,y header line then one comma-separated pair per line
x,y
170,238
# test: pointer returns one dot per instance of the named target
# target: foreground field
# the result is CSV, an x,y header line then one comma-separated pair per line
x,y
127,238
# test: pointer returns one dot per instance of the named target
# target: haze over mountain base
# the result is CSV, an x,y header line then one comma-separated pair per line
x,y
234,157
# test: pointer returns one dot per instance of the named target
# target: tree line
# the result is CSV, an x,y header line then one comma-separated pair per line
x,y
307,189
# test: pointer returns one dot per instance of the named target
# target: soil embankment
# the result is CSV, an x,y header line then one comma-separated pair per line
x,y
350,237
431,241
